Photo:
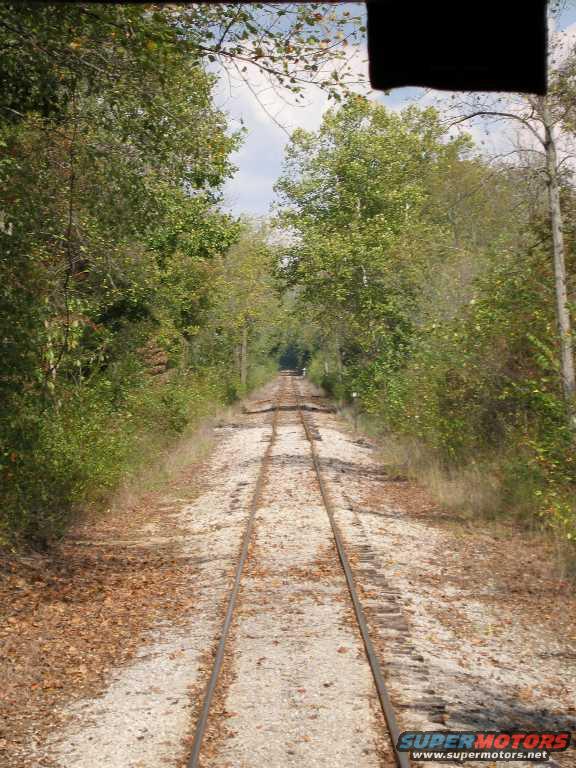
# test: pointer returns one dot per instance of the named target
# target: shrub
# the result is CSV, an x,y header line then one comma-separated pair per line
x,y
76,452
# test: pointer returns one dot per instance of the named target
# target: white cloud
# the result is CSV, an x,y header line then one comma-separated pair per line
x,y
270,115
262,109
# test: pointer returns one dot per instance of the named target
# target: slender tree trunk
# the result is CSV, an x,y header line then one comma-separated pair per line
x,y
562,309
238,358
338,355
244,357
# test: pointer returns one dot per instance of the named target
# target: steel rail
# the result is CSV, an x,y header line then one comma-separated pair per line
x,y
402,758
202,721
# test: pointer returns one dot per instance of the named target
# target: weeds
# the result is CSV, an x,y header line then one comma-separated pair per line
x,y
94,443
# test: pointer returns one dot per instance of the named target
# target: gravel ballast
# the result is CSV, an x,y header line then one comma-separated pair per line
x,y
472,627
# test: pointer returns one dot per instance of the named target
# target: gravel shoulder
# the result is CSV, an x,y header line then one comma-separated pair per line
x,y
474,629
106,644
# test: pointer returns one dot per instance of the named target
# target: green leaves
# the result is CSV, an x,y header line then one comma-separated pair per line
x,y
353,194
112,160
423,273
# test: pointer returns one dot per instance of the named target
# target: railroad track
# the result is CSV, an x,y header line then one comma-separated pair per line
x,y
289,400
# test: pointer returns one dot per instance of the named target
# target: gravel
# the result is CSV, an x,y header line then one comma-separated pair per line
x,y
296,689
145,715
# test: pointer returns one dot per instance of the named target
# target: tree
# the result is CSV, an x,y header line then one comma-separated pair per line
x,y
353,195
46,50
541,118
109,198
247,303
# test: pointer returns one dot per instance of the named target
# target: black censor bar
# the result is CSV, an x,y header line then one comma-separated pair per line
x,y
492,45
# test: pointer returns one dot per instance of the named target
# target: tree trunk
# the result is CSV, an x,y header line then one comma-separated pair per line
x,y
244,357
238,358
338,355
562,309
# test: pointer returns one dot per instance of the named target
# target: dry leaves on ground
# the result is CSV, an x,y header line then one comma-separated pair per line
x,y
69,617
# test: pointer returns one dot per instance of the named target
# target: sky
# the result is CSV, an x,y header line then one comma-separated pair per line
x,y
259,160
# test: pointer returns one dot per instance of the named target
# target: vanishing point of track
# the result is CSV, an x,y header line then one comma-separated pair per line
x,y
371,657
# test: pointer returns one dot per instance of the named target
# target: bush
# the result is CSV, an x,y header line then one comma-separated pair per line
x,y
77,451
484,387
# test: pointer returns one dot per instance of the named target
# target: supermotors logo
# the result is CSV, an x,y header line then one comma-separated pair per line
x,y
531,746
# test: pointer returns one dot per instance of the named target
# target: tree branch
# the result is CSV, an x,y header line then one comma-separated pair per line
x,y
503,115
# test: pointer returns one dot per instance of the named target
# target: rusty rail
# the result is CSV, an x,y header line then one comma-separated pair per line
x,y
402,758
202,721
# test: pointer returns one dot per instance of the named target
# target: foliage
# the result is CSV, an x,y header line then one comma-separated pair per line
x,y
113,243
354,195
99,436
47,50
427,276
417,273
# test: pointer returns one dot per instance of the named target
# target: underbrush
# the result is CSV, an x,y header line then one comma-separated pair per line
x,y
260,373
523,452
498,488
472,404
527,478
80,449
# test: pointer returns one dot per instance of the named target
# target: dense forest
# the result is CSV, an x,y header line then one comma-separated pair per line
x,y
404,268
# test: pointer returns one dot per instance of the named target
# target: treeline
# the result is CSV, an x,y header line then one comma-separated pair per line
x,y
427,274
130,302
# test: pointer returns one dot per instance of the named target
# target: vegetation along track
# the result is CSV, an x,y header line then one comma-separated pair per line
x,y
307,684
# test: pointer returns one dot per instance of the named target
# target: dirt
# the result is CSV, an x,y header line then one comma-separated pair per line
x,y
72,615
473,625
